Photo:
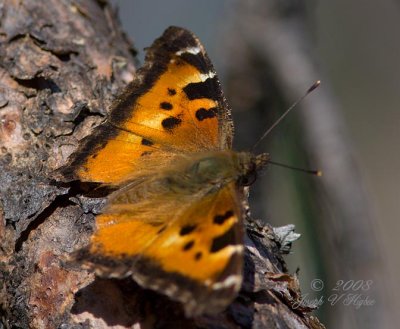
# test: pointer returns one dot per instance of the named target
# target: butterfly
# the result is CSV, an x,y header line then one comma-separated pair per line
x,y
175,220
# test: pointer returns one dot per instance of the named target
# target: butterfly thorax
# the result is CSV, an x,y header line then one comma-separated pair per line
x,y
219,168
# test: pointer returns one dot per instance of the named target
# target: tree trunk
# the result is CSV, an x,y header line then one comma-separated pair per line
x,y
62,63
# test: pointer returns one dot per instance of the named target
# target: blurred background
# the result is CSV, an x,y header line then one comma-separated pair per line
x,y
267,53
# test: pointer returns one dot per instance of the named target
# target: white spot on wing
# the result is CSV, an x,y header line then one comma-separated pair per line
x,y
236,248
190,50
230,281
208,75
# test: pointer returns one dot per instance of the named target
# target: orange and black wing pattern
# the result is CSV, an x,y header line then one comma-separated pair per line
x,y
170,230
174,105
190,249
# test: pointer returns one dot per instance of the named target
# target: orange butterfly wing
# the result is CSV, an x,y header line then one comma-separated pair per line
x,y
174,105
191,252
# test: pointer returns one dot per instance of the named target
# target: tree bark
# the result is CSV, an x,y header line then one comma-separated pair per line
x,y
62,63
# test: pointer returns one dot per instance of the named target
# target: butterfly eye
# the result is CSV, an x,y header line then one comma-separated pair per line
x,y
248,179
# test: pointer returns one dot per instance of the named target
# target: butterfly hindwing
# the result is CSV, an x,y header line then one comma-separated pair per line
x,y
190,251
174,105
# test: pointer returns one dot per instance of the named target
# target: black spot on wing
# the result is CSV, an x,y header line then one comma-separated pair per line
x,y
187,229
206,89
170,123
198,61
198,255
202,113
220,219
188,245
171,91
147,142
166,106
224,240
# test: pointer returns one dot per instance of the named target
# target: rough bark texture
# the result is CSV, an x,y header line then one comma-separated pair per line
x,y
61,64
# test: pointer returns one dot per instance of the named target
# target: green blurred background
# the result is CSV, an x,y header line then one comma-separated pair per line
x,y
357,49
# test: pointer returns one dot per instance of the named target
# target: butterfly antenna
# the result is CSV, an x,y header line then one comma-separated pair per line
x,y
307,171
312,88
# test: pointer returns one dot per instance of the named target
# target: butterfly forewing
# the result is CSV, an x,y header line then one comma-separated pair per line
x,y
174,105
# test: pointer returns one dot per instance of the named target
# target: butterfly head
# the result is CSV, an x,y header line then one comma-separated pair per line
x,y
249,165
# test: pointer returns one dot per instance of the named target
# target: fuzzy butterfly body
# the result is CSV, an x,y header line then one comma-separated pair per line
x,y
174,222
